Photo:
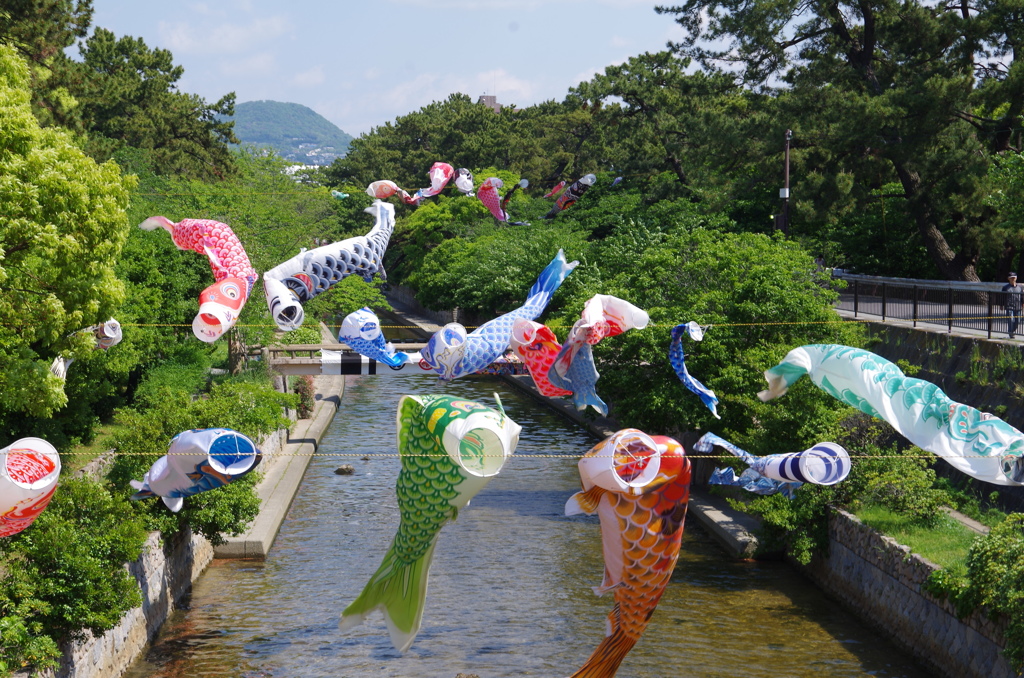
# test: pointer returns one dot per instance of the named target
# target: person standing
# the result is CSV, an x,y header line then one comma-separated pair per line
x,y
1013,294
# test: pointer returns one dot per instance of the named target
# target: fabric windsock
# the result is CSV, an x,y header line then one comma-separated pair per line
x,y
823,464
220,305
108,334
477,438
488,194
624,462
197,461
555,190
446,349
384,189
29,471
464,181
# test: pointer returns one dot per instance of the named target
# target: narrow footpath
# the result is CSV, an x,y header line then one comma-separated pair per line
x,y
283,470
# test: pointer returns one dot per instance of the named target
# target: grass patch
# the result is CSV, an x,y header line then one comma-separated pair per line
x,y
945,544
81,455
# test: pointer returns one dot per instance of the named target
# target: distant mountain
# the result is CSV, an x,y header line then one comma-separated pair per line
x,y
296,132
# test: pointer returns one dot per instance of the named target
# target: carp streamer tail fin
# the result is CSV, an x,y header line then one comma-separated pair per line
x,y
549,280
605,660
397,589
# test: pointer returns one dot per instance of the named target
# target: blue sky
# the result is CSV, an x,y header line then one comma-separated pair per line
x,y
361,64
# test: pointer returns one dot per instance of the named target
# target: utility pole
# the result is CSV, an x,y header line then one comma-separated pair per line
x,y
782,220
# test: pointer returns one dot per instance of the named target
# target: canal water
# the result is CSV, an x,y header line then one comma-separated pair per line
x,y
510,588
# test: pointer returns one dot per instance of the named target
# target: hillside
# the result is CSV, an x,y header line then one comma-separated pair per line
x,y
296,132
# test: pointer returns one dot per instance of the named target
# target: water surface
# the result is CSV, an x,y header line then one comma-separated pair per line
x,y
510,588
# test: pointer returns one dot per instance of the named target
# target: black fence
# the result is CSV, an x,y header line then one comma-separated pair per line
x,y
964,305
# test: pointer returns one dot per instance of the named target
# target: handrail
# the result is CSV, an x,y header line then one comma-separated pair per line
x,y
922,283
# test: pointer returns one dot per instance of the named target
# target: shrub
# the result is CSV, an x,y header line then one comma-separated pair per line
x,y
65,574
883,474
993,579
306,390
247,404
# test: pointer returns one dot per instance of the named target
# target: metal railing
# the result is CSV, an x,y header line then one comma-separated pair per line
x,y
964,305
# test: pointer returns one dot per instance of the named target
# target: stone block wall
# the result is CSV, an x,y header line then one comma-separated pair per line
x,y
881,581
164,573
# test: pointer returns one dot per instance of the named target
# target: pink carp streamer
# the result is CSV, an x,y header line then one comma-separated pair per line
x,y
488,194
537,346
220,304
440,174
638,485
384,189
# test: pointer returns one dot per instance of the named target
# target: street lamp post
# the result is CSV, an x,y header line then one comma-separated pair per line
x,y
782,222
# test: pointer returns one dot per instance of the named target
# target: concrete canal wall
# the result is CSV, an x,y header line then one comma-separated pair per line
x,y
870,574
881,581
165,572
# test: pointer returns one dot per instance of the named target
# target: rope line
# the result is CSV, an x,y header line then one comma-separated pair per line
x,y
540,455
717,324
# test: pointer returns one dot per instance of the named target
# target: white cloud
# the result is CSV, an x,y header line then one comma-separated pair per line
x,y
311,77
262,63
616,41
521,5
414,94
226,38
372,74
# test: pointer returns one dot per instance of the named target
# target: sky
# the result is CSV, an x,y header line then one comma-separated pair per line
x,y
361,64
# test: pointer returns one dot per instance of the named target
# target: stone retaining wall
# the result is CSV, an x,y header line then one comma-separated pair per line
x,y
881,581
164,573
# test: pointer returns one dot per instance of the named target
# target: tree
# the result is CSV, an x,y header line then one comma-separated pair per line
x,y
890,91
39,29
62,230
130,97
662,119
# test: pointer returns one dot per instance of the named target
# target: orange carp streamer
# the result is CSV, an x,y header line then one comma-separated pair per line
x,y
638,485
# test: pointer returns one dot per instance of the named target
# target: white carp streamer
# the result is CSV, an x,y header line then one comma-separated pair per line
x,y
307,274
980,444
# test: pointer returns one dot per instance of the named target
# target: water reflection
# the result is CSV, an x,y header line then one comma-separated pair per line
x,y
510,585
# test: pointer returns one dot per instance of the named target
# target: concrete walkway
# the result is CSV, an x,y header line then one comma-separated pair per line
x,y
283,475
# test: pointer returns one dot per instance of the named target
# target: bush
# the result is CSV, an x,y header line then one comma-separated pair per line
x,y
993,579
247,404
883,474
306,390
65,574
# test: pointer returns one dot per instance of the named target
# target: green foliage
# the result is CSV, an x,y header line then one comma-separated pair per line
x,y
900,480
62,231
542,142
348,295
291,130
67,569
247,404
492,273
995,570
762,296
306,390
129,97
22,642
307,334
168,380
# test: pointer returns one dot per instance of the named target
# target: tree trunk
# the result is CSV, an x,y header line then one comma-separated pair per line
x,y
236,352
952,265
